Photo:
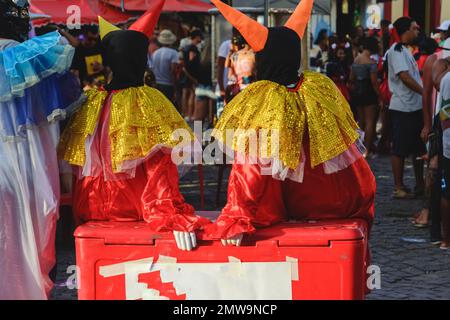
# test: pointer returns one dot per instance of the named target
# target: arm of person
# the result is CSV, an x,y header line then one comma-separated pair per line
x,y
190,76
351,81
427,106
410,82
231,70
173,73
174,63
375,84
220,74
74,42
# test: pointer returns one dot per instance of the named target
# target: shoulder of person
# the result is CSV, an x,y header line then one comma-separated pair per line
x,y
393,53
225,45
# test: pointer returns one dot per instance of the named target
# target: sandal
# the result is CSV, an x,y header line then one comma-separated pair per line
x,y
403,193
421,225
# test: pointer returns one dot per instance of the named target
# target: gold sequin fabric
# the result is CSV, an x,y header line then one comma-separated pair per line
x,y
140,119
317,107
82,124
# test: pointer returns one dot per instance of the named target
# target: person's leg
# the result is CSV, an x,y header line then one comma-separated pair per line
x,y
401,148
436,195
370,127
211,111
423,217
384,145
361,117
445,205
201,108
191,102
185,102
418,165
398,164
418,150
445,216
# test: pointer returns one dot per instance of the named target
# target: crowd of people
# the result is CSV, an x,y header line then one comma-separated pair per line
x,y
119,155
394,81
181,68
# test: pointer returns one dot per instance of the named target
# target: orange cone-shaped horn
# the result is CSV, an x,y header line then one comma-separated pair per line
x,y
299,19
254,33
147,23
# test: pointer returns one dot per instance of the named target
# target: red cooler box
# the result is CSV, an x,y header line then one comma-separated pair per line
x,y
301,260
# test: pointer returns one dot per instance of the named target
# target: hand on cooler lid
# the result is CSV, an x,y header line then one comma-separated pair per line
x,y
186,241
234,241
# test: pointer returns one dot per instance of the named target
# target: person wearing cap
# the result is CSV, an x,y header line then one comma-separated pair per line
x,y
313,168
446,45
443,30
120,142
165,61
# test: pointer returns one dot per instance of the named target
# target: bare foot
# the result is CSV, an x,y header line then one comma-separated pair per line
x,y
445,245
422,217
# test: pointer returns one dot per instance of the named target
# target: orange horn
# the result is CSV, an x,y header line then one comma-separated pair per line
x,y
147,23
299,19
254,33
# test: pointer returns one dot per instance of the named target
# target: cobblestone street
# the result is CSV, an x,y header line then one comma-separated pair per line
x,y
411,267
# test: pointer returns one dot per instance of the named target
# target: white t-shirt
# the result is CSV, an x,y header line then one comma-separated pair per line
x,y
445,108
162,61
403,99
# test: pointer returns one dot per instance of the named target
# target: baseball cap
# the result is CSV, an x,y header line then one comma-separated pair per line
x,y
445,25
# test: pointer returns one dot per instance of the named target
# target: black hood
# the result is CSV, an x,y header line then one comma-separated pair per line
x,y
125,52
280,60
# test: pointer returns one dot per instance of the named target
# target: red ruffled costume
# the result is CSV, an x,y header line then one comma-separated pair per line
x,y
152,194
256,200
317,170
120,141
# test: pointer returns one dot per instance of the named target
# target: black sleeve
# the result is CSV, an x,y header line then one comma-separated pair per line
x,y
77,60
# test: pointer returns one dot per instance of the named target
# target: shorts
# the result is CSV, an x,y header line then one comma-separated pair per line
x,y
204,92
446,178
167,90
370,98
406,130
364,95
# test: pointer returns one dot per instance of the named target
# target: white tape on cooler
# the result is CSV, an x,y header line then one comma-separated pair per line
x,y
294,268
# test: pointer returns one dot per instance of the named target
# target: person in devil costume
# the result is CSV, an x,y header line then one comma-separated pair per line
x,y
120,142
317,170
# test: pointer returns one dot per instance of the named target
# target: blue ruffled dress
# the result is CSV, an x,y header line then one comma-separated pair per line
x,y
36,89
35,84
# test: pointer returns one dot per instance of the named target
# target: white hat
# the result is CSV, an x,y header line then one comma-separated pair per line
x,y
166,37
445,25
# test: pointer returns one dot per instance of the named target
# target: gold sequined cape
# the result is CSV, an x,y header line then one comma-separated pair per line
x,y
318,107
140,119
